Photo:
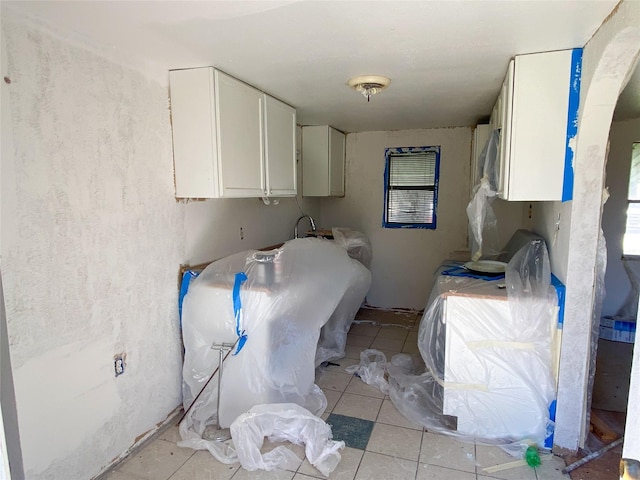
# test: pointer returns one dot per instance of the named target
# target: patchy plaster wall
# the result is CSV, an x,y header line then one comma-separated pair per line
x,y
404,260
91,242
621,137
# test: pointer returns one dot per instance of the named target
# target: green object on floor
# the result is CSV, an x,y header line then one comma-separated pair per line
x,y
532,457
355,432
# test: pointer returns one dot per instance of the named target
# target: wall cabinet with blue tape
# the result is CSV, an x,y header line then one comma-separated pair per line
x,y
536,113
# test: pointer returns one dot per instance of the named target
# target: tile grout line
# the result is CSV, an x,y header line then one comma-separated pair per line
x,y
420,452
183,463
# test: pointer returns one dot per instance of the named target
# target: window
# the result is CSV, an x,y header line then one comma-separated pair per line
x,y
631,243
411,187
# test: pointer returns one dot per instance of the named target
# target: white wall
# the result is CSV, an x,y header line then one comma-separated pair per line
x,y
91,243
404,260
212,227
92,238
607,58
621,137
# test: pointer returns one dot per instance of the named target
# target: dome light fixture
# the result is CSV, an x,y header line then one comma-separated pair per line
x,y
369,85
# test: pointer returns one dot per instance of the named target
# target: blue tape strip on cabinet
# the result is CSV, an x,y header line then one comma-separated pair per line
x,y
572,123
241,277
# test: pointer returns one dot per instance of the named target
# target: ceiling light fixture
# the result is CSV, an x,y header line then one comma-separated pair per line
x,y
369,84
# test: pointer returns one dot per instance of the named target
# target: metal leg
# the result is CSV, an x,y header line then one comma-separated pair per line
x,y
215,432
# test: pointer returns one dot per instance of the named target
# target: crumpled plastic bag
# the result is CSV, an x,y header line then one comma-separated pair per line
x,y
284,422
371,370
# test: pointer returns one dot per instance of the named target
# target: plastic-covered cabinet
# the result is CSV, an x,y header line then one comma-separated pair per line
x,y
229,138
536,113
323,150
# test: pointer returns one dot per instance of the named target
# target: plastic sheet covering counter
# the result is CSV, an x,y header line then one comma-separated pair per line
x,y
487,372
289,294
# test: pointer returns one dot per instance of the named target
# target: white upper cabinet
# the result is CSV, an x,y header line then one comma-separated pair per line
x,y
280,148
229,139
323,150
536,113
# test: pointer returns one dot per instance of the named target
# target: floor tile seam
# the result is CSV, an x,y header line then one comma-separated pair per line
x,y
451,468
337,401
355,473
365,395
392,456
183,463
419,455
400,426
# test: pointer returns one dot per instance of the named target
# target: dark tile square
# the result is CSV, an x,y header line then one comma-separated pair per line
x,y
355,432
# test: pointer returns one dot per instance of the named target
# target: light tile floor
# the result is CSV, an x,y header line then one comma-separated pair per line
x,y
397,449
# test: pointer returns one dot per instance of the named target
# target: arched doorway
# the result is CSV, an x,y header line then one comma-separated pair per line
x,y
609,58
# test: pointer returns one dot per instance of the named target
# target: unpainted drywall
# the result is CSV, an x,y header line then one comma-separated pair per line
x,y
404,260
621,138
91,242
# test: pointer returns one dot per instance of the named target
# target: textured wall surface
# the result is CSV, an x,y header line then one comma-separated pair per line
x,y
403,259
91,242
608,57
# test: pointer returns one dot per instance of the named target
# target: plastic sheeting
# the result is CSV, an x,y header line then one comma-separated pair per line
x,y
284,422
355,243
486,373
288,295
483,223
333,336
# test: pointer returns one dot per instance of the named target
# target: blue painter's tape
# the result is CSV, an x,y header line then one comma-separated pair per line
x,y
403,150
572,123
187,278
548,441
241,277
561,291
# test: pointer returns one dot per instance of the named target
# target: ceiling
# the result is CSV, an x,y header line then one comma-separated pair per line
x,y
446,59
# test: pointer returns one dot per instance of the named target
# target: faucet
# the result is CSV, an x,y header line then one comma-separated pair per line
x,y
313,225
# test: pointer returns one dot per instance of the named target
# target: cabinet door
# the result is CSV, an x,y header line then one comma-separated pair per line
x,y
336,162
194,133
280,147
315,168
539,126
239,111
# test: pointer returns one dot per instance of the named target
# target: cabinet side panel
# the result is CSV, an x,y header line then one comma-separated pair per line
x,y
336,162
280,124
315,171
192,118
505,103
539,128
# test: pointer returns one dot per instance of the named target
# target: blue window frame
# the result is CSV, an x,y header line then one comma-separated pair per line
x,y
411,177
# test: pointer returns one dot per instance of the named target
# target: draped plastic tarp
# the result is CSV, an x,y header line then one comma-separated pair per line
x,y
483,224
486,371
277,313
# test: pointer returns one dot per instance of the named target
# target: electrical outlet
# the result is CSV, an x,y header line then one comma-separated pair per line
x,y
119,363
241,234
